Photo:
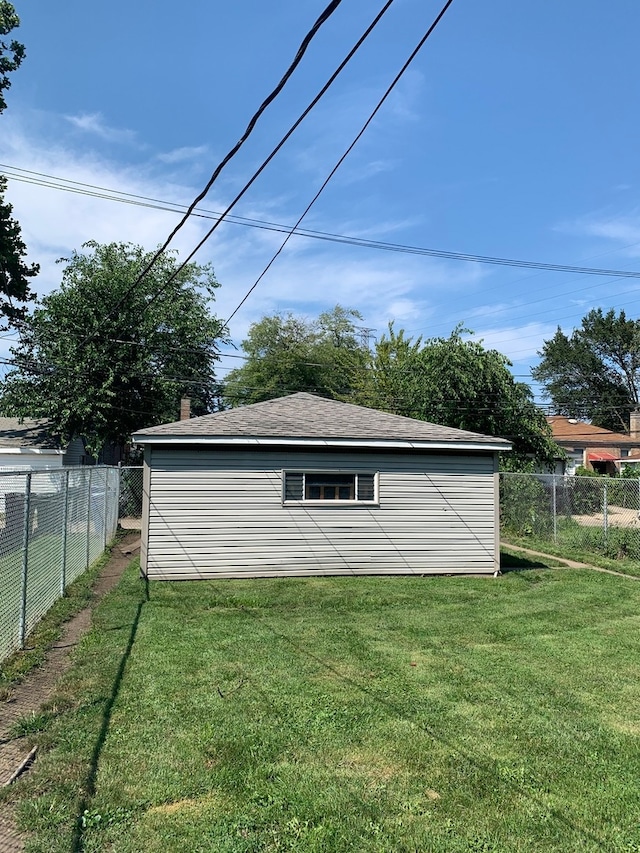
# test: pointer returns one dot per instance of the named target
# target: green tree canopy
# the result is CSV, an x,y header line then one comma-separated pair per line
x,y
14,273
458,383
286,353
594,373
102,374
11,52
15,288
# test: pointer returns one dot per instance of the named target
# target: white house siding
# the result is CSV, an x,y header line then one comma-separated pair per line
x,y
219,513
14,466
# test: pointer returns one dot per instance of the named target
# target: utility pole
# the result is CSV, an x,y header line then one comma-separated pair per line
x,y
365,335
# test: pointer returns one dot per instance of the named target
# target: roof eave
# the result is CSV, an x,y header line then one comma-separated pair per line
x,y
51,451
266,441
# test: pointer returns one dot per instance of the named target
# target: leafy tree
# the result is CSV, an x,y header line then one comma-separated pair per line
x,y
11,53
595,372
14,273
286,353
457,382
101,373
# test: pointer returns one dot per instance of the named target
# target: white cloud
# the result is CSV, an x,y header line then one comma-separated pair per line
x,y
334,123
622,229
54,222
94,123
518,343
186,153
402,101
310,276
367,169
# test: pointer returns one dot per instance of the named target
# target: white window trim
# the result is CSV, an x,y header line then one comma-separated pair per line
x,y
305,471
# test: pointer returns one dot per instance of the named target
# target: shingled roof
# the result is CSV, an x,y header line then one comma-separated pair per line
x,y
27,432
305,418
577,432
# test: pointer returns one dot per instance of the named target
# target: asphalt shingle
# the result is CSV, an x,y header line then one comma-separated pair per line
x,y
28,432
306,416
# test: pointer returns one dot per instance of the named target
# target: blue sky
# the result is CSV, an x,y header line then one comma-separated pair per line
x,y
514,134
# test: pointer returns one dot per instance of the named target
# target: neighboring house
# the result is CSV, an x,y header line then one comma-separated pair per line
x,y
28,444
303,486
593,447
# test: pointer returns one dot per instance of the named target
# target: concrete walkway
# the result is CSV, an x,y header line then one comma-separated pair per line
x,y
570,564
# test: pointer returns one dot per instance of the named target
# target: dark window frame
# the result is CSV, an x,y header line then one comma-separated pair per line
x,y
303,485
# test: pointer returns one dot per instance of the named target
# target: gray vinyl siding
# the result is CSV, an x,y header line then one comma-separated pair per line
x,y
219,513
75,452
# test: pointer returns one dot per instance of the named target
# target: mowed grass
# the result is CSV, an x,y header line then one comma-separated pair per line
x,y
43,586
348,714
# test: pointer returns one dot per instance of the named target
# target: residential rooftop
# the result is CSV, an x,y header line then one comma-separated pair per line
x,y
566,429
304,417
27,432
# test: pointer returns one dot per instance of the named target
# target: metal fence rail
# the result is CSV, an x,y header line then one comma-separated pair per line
x,y
596,514
53,525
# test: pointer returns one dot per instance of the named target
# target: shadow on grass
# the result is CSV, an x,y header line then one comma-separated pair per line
x,y
510,562
77,845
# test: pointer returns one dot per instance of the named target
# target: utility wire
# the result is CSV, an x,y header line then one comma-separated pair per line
x,y
265,162
94,191
324,16
377,108
498,405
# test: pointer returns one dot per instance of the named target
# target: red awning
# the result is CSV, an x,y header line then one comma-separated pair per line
x,y
602,457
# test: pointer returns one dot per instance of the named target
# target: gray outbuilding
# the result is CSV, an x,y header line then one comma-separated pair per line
x,y
29,444
302,485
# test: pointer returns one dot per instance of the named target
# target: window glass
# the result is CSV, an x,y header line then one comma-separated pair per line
x,y
293,487
329,486
366,487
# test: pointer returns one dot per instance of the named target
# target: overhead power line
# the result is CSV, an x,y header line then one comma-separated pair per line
x,y
47,181
306,41
254,177
357,138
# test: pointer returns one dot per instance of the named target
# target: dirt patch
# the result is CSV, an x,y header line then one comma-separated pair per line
x,y
28,696
617,516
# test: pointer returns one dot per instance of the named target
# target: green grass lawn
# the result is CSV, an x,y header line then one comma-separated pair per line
x,y
573,548
46,611
404,715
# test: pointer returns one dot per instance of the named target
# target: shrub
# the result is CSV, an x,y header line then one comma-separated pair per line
x,y
586,492
525,506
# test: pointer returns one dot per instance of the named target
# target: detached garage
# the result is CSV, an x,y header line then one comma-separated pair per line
x,y
302,486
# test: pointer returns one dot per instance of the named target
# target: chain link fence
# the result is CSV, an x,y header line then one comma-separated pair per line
x,y
53,525
130,503
600,515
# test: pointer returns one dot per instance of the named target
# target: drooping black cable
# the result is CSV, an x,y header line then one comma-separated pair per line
x,y
325,15
258,171
375,111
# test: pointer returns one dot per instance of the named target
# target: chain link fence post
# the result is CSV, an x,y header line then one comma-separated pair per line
x,y
605,514
25,560
105,532
592,514
65,521
48,538
88,526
